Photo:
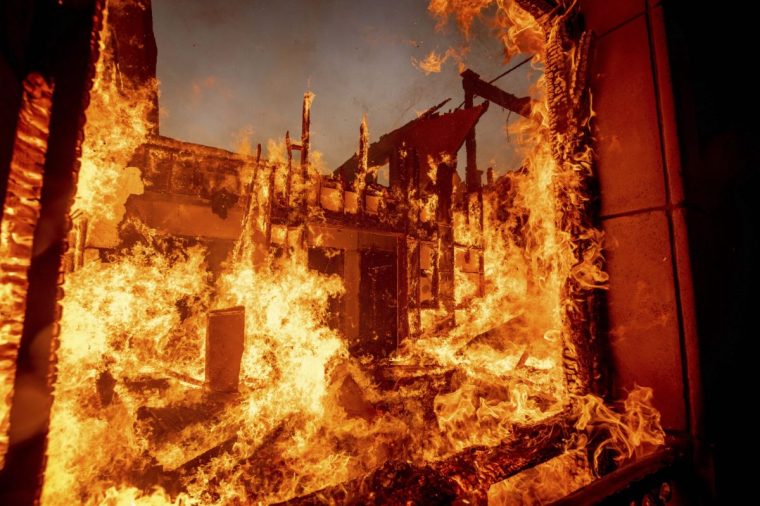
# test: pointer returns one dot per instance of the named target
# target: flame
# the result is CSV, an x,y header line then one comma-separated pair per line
x,y
132,423
118,128
18,222
434,61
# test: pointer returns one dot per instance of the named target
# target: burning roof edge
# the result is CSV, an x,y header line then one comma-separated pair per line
x,y
161,141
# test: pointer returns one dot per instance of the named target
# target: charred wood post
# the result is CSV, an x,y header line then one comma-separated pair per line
x,y
472,175
360,181
403,278
225,338
80,242
289,178
251,225
305,145
413,261
267,209
444,187
567,69
250,199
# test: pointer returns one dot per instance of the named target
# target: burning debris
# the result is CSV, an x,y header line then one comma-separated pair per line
x,y
246,330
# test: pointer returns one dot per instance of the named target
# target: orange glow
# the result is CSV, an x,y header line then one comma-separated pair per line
x,y
133,424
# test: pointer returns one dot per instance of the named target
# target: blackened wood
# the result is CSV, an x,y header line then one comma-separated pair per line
x,y
474,85
445,239
305,146
463,478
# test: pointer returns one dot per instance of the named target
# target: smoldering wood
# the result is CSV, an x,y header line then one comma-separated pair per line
x,y
474,85
461,479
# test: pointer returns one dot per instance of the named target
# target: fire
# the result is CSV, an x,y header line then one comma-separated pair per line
x,y
17,226
114,133
132,422
434,61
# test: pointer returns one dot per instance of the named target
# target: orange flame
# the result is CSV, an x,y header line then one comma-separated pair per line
x,y
308,414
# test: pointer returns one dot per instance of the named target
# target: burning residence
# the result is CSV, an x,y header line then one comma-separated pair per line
x,y
243,328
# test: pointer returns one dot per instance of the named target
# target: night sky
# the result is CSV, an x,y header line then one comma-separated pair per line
x,y
239,66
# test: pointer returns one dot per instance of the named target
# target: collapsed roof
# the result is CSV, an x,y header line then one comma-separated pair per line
x,y
430,134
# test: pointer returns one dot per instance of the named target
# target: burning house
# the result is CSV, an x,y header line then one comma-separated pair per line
x,y
184,324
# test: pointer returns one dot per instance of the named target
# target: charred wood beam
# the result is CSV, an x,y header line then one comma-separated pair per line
x,y
461,479
445,239
474,85
618,486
